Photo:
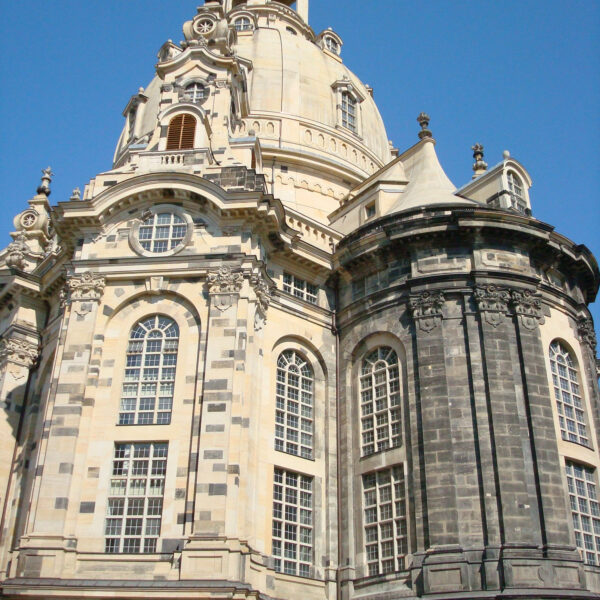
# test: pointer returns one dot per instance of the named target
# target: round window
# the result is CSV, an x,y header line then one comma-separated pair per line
x,y
204,26
163,230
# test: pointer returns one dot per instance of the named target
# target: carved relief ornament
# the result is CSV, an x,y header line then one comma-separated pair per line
x,y
263,292
426,309
492,302
223,284
587,334
86,286
21,352
528,307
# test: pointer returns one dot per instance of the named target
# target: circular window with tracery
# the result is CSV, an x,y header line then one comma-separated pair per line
x,y
28,220
204,26
163,230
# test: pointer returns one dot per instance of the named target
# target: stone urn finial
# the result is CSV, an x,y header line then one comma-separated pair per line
x,y
423,120
44,187
479,166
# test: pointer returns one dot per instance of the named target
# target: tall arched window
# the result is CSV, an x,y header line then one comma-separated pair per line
x,y
381,417
349,120
567,393
147,395
181,132
294,405
515,187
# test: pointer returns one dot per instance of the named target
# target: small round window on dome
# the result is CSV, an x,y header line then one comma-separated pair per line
x,y
196,92
332,45
162,232
243,24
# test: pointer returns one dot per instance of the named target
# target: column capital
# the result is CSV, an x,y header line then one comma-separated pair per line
x,y
492,302
527,305
86,286
225,281
426,309
19,351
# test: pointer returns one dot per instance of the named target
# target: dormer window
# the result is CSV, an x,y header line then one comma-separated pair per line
x,y
181,132
196,92
332,45
515,187
349,120
243,24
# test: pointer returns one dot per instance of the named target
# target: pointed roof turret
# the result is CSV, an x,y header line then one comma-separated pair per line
x,y
428,184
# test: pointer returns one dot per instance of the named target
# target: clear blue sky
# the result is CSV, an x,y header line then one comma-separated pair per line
x,y
521,75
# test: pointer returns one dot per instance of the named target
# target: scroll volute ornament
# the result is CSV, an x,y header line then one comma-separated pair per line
x,y
587,334
18,351
492,302
426,309
528,307
86,286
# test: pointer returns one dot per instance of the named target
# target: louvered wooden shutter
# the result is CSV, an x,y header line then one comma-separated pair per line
x,y
182,130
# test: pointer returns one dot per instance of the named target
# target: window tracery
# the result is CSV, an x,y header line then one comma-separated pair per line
x,y
294,414
149,382
381,415
568,396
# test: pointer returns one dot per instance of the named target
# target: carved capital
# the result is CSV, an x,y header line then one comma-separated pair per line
x,y
528,307
587,334
426,309
492,302
18,351
86,286
225,281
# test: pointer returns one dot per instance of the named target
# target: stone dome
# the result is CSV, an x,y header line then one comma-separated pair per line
x,y
305,109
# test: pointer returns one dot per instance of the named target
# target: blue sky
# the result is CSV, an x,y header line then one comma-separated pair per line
x,y
521,75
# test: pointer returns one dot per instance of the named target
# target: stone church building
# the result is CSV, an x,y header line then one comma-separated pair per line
x,y
267,355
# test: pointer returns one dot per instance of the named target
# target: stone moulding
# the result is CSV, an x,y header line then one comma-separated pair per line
x,y
86,286
426,310
18,351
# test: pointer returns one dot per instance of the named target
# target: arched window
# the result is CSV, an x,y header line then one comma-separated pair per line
x,y
567,393
182,130
381,417
294,405
147,395
349,112
243,24
515,187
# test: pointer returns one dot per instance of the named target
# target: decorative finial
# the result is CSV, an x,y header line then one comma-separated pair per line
x,y
480,165
423,120
76,195
44,187
506,155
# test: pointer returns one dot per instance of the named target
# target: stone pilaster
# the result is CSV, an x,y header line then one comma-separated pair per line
x,y
54,488
507,422
217,478
441,518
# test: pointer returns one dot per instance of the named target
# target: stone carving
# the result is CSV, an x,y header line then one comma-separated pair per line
x,y
528,307
587,334
225,281
263,292
426,309
87,286
223,285
492,302
15,252
22,352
